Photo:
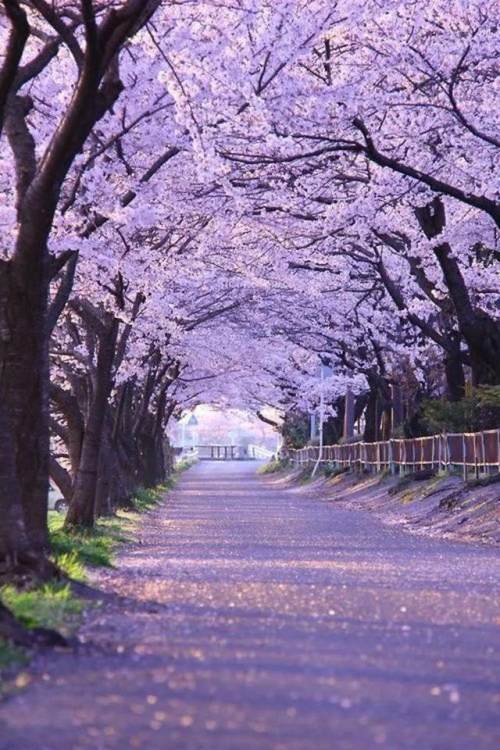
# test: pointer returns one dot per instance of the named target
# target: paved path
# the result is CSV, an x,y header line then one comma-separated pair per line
x,y
264,619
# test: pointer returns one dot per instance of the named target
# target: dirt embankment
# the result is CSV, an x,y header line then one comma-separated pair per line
x,y
442,506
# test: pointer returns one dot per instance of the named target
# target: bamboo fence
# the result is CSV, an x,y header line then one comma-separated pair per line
x,y
472,452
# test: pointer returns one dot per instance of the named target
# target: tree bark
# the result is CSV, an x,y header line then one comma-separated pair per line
x,y
454,371
14,542
480,331
23,375
378,407
348,429
82,509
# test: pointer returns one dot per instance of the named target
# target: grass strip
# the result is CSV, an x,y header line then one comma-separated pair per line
x,y
271,467
54,605
49,606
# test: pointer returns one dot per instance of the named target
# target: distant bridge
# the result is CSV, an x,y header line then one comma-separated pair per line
x,y
229,453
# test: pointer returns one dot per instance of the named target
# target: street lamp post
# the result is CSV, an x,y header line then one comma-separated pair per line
x,y
321,420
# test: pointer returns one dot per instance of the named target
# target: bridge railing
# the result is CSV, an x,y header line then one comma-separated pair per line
x,y
472,452
218,452
259,452
232,452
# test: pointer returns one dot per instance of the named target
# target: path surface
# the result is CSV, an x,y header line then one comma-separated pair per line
x,y
262,618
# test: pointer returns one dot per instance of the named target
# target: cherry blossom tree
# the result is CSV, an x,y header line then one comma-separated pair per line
x,y
60,76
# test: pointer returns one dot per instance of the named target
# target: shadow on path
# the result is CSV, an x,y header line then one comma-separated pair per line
x,y
259,618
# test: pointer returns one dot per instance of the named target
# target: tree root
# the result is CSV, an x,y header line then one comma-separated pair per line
x,y
13,631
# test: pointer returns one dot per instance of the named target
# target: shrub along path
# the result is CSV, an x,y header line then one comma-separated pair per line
x,y
260,618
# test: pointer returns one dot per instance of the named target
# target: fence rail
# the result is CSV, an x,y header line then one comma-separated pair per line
x,y
477,452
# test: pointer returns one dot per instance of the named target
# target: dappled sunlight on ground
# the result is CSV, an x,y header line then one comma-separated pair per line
x,y
259,618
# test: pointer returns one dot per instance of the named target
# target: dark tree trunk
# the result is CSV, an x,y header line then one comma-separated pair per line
x,y
168,457
103,505
349,403
61,478
386,423
123,464
480,331
378,408
454,371
372,418
67,404
14,542
333,426
23,394
397,411
82,509
151,466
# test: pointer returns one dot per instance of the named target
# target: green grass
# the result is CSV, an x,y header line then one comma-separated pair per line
x,y
147,499
50,606
272,467
54,605
76,549
184,464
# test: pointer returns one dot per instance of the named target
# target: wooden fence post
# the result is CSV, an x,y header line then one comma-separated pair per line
x,y
464,458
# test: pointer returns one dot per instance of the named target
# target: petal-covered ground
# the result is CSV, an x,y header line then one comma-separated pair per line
x,y
258,617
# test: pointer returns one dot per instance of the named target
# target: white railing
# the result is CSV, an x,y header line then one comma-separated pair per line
x,y
259,452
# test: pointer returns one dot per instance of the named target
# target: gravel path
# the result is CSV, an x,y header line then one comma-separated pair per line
x,y
261,618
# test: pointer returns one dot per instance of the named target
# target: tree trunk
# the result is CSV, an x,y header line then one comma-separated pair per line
x,y
66,403
333,426
372,418
377,409
82,509
397,415
454,371
348,429
24,398
14,542
102,496
61,478
480,331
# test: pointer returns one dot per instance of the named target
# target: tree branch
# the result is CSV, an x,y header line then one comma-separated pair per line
x,y
439,186
18,37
